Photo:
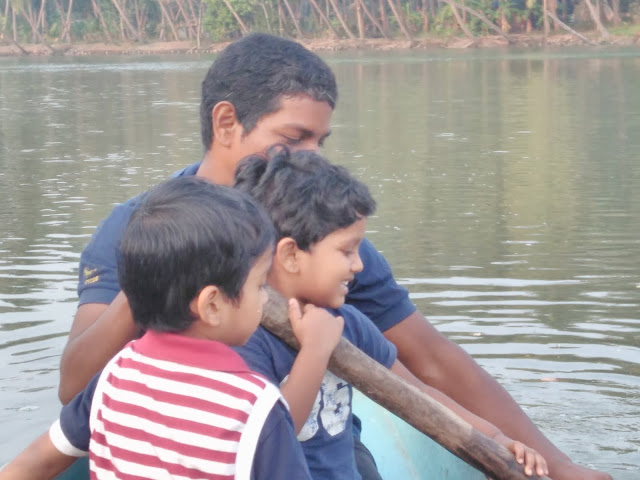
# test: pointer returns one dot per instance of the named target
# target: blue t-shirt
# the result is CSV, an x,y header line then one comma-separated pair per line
x,y
373,291
277,456
327,437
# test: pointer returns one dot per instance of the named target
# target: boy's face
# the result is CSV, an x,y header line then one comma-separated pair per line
x,y
301,123
245,317
329,265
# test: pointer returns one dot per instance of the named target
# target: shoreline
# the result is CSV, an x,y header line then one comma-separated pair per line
x,y
322,45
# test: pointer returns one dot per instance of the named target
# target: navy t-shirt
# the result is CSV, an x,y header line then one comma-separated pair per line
x,y
327,437
277,454
373,291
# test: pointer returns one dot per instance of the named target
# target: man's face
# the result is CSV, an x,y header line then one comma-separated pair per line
x,y
301,123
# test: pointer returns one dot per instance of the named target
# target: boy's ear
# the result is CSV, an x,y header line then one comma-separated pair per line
x,y
288,255
224,121
208,305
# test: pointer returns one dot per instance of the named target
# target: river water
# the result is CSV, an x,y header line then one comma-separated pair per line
x,y
508,185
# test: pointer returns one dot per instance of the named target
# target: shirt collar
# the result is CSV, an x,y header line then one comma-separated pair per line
x,y
194,352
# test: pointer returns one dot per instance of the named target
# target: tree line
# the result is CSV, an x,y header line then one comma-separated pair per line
x,y
49,22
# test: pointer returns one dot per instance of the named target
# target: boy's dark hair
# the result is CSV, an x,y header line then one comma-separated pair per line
x,y
306,197
187,234
255,72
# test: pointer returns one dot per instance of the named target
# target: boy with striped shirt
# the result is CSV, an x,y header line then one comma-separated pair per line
x,y
179,402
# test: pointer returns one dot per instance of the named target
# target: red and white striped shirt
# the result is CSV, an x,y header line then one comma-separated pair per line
x,y
173,407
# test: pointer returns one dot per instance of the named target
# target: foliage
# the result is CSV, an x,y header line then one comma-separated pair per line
x,y
413,19
627,29
220,23
181,18
492,9
86,28
445,22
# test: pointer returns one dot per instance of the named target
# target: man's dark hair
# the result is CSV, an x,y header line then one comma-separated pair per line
x,y
306,197
187,234
256,72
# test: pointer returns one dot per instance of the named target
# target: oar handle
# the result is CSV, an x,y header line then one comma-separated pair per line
x,y
405,400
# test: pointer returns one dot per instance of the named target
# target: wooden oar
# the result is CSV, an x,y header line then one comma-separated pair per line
x,y
405,400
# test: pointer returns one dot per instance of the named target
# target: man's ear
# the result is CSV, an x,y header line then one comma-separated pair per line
x,y
288,255
209,304
224,122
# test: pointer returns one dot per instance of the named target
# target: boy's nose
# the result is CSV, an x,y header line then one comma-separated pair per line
x,y
357,265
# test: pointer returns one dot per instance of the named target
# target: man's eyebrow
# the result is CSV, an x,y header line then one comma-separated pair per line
x,y
305,131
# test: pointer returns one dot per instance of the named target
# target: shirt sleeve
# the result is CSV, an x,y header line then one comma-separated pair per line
x,y
260,353
71,432
364,335
375,292
279,455
98,271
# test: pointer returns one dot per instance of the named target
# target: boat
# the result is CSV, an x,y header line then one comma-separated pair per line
x,y
401,452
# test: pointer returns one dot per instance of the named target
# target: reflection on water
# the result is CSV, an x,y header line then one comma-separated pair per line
x,y
508,187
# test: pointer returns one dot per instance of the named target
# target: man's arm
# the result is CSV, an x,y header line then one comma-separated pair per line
x,y
39,461
98,332
443,365
103,323
54,451
530,460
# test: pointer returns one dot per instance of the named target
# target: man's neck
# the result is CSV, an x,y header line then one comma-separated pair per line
x,y
213,169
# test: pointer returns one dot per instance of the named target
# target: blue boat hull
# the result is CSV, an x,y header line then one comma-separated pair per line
x,y
401,452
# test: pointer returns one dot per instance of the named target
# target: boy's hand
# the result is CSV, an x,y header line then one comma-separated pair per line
x,y
531,461
315,327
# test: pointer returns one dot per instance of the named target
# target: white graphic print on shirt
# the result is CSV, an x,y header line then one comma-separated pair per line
x,y
330,410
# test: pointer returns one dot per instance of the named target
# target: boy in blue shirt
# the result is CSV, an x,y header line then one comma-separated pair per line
x,y
179,402
320,212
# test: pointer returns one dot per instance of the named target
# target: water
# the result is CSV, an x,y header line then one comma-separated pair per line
x,y
508,185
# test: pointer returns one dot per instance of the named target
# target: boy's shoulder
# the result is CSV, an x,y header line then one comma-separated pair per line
x,y
358,328
351,314
365,335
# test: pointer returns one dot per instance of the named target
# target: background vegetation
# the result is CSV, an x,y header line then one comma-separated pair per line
x,y
124,21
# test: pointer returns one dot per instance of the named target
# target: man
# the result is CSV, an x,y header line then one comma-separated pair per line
x,y
263,90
